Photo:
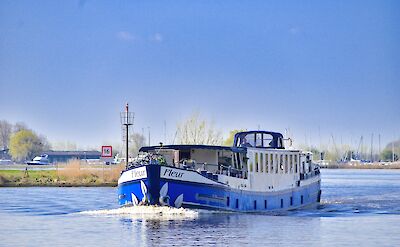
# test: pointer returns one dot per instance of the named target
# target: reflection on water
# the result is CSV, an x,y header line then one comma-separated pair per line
x,y
359,207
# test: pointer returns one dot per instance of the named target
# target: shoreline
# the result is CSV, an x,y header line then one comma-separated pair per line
x,y
54,178
12,185
50,178
357,165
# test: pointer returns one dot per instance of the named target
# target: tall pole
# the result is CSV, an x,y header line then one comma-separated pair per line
x,y
379,147
372,143
126,121
393,151
127,133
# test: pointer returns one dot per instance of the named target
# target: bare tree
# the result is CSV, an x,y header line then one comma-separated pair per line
x,y
5,133
198,131
19,126
136,142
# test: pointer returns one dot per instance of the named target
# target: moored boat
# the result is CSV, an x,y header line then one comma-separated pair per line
x,y
256,174
39,160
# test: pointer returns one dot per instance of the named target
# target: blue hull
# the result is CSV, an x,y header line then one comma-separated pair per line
x,y
216,196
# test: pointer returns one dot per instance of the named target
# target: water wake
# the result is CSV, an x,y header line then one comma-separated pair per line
x,y
147,212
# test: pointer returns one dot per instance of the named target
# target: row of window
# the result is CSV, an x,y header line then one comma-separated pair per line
x,y
265,203
274,163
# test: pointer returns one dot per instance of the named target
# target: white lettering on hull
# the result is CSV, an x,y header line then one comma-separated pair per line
x,y
189,176
134,174
171,173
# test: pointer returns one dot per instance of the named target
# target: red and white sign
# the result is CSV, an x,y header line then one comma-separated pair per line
x,y
106,151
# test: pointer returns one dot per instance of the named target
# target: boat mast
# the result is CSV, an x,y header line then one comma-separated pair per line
x,y
372,143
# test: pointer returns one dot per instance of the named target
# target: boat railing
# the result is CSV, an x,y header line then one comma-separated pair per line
x,y
231,171
307,175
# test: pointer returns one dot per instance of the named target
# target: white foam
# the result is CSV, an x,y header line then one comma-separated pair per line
x,y
147,212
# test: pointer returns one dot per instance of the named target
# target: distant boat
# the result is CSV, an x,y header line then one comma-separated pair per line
x,y
256,174
39,160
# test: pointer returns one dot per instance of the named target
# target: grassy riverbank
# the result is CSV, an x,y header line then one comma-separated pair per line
x,y
70,174
76,173
358,165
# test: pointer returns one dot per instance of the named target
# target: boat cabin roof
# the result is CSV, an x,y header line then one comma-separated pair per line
x,y
259,139
189,147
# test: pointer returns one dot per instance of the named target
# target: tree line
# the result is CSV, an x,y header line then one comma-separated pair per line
x,y
24,144
21,142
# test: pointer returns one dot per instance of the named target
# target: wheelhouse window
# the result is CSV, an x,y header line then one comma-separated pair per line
x,y
268,141
248,140
259,139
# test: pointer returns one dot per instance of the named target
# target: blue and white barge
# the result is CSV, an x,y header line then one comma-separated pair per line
x,y
256,174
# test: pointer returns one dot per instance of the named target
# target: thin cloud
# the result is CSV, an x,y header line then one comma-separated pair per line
x,y
125,36
157,37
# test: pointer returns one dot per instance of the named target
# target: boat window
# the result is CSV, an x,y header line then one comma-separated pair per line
x,y
261,162
256,161
237,161
267,162
291,163
248,141
237,203
227,201
296,163
255,204
301,200
184,155
281,162
225,158
251,161
291,201
268,141
276,163
265,204
272,163
286,163
281,203
259,140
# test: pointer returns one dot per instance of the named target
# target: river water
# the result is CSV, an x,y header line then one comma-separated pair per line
x,y
359,208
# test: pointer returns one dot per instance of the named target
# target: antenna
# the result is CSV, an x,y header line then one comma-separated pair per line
x,y
379,136
334,144
126,118
393,151
372,142
176,133
148,128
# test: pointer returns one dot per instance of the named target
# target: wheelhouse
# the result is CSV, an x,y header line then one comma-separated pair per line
x,y
259,139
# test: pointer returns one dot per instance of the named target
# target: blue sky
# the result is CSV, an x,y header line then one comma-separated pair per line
x,y
317,67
